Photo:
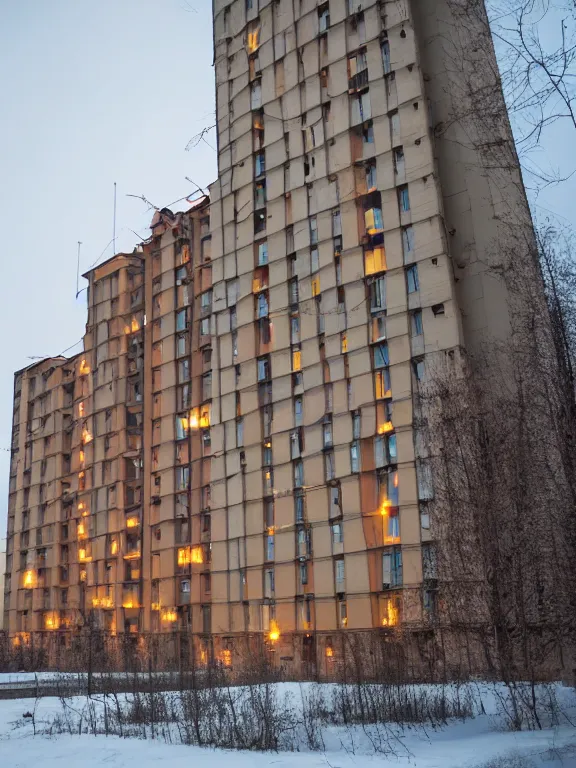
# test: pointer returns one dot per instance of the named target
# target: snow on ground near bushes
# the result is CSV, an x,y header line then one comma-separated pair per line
x,y
457,745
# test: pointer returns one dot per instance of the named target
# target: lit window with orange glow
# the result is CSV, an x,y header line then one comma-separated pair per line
x,y
187,555
133,521
81,530
194,421
344,343
296,360
315,286
86,436
82,457
387,426
51,621
205,417
29,579
81,409
374,261
253,37
329,652
169,616
114,547
226,657
274,633
84,368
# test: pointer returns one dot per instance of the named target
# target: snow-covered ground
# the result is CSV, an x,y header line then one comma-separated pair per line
x,y
457,745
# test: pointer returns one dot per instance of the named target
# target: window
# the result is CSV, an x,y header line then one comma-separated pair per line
x,y
270,547
295,329
373,220
403,199
383,384
263,368
416,328
262,254
337,533
206,300
260,165
329,465
267,453
303,574
361,107
269,513
296,359
183,371
262,304
377,294
323,17
392,568
412,282
371,178
239,433
264,330
336,223
181,345
386,57
182,478
418,367
381,357
399,167
342,613
182,320
256,95
298,413
379,451
356,422
340,575
260,194
268,482
298,474
367,134
313,230
315,285
314,261
394,125
327,433
269,583
293,291
355,457
205,327
299,507
182,426
379,327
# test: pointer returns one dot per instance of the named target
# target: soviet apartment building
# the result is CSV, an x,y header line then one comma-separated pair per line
x,y
234,451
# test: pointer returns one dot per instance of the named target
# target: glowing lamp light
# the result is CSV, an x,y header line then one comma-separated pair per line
x,y
134,325
29,578
197,555
114,547
194,421
184,557
51,621
154,606
329,651
385,507
132,522
274,633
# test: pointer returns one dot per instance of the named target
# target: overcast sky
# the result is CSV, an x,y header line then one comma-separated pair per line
x,y
96,92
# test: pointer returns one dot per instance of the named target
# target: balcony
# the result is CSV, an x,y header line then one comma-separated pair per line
x,y
358,81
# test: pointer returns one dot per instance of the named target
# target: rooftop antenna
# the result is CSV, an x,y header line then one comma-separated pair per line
x,y
114,225
78,271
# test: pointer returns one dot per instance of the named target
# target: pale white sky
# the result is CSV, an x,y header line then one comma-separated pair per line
x,y
96,92
93,92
